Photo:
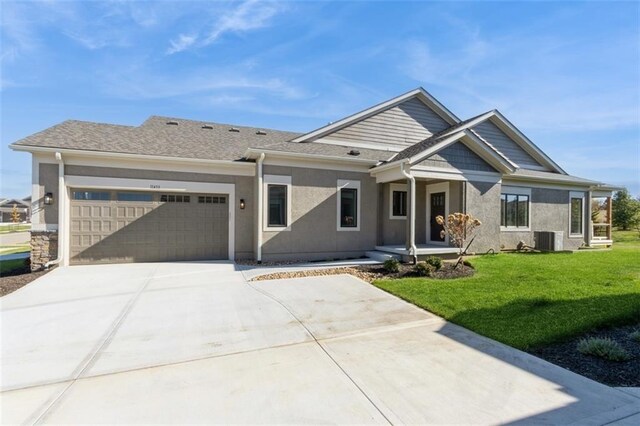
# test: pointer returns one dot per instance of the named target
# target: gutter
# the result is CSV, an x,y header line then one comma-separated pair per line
x,y
61,212
412,224
260,209
308,156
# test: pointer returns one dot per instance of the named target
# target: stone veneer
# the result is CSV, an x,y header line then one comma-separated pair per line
x,y
44,248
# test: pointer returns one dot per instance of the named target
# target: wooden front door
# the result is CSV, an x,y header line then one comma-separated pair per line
x,y
437,208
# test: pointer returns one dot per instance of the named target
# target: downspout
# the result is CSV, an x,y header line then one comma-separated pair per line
x,y
260,208
412,224
61,212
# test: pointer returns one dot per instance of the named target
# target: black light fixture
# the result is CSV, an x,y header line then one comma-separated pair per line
x,y
48,198
242,204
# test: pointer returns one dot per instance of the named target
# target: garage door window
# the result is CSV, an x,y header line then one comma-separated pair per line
x,y
91,195
133,196
211,200
165,198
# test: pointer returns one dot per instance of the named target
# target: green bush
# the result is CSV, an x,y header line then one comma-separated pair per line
x,y
605,348
434,261
424,269
391,265
635,336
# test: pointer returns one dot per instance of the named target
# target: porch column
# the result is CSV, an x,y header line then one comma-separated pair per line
x,y
588,235
410,240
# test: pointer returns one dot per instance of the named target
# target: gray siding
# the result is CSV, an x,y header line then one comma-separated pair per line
x,y
549,212
496,137
404,124
457,156
314,234
244,246
48,182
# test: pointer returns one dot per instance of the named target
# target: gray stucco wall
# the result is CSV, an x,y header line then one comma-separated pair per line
x,y
549,212
48,182
314,233
393,230
483,202
244,186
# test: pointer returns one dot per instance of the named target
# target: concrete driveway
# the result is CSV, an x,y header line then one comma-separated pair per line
x,y
194,343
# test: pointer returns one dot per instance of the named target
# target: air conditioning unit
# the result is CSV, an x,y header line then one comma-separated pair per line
x,y
549,240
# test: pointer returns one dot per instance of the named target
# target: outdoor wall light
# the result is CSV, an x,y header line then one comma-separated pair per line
x,y
242,204
48,198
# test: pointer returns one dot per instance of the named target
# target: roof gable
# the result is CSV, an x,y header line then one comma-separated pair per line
x,y
491,133
419,108
457,156
9,202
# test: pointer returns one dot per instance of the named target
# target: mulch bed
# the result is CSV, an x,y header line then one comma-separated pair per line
x,y
17,278
370,273
626,373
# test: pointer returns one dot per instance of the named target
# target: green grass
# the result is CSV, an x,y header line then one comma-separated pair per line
x,y
7,229
7,266
531,300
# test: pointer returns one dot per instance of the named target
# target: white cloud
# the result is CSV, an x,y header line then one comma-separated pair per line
x,y
183,42
249,15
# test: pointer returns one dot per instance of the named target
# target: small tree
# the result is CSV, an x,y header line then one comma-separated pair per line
x,y
626,210
460,228
15,214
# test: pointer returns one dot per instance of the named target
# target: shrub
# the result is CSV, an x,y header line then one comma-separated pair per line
x,y
424,269
434,261
391,265
605,348
635,336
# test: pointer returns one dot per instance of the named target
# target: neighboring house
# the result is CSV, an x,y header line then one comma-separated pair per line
x,y
174,189
6,209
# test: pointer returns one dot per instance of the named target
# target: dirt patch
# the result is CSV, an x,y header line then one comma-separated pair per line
x,y
17,278
370,273
626,373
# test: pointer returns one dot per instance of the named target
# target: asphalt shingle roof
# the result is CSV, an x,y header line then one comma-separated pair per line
x,y
187,139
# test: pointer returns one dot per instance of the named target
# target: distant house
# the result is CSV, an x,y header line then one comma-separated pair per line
x,y
23,206
177,189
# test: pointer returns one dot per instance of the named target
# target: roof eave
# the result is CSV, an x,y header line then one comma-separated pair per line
x,y
250,152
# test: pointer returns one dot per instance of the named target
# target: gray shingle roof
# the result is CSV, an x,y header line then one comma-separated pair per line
x,y
155,137
557,177
316,148
187,139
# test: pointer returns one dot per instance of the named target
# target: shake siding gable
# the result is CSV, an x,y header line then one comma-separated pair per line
x,y
457,156
496,137
403,125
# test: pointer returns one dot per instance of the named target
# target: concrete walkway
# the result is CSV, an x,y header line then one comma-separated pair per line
x,y
194,343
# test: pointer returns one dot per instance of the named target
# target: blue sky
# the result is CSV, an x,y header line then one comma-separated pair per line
x,y
566,73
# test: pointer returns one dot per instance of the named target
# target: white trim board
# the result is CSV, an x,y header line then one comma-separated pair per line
x,y
149,185
275,180
353,184
397,187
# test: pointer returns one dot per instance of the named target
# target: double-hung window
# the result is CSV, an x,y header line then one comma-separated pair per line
x,y
576,214
398,201
515,205
277,203
348,214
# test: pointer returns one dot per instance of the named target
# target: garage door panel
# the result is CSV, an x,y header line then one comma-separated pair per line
x,y
109,231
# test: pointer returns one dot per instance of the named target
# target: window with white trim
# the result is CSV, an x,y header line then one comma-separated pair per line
x,y
515,206
576,214
277,203
397,201
348,195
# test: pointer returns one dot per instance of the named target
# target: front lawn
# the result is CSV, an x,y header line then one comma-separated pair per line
x,y
7,229
531,300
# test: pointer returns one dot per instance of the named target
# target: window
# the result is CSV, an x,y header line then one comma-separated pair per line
x,y
277,203
175,198
348,205
91,196
514,208
277,213
398,201
133,196
576,213
211,200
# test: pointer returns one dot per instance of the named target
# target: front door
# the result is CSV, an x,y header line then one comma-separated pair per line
x,y
437,203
